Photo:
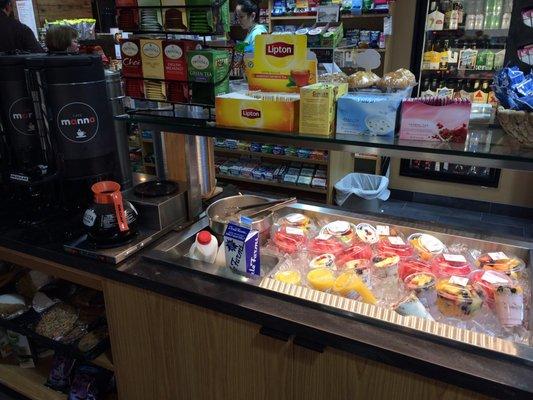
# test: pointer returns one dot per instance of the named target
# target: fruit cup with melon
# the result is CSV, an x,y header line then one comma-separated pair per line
x,y
446,265
297,220
344,231
423,285
410,266
385,264
426,246
396,245
509,305
324,244
510,265
349,285
457,301
289,240
487,282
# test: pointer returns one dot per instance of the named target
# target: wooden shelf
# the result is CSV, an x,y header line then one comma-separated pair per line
x,y
271,156
269,183
376,15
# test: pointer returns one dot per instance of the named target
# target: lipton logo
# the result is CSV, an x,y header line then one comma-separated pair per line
x,y
251,113
130,49
22,117
77,122
279,49
151,50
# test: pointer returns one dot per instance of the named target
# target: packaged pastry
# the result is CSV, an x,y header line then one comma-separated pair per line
x,y
509,305
289,276
354,252
499,261
487,282
333,77
349,285
289,239
57,321
423,285
362,79
410,266
362,268
324,244
323,261
11,306
321,279
397,245
457,298
385,264
367,233
447,265
342,230
411,306
427,246
399,79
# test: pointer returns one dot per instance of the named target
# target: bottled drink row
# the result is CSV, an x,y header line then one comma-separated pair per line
x,y
469,14
458,54
478,91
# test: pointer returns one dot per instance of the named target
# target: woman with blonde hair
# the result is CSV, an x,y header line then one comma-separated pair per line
x,y
62,38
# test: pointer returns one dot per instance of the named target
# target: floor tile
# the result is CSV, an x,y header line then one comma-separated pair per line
x,y
484,227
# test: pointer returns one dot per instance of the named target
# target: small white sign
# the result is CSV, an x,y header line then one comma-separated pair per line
x,y
458,280
491,277
295,218
454,257
383,230
323,236
396,241
294,231
26,15
500,255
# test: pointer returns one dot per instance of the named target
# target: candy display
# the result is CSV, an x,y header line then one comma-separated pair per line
x,y
425,275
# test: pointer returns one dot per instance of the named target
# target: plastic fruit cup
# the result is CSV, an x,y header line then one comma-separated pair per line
x,y
289,240
509,305
355,252
321,279
486,283
289,276
511,265
427,246
408,267
403,250
361,268
443,268
457,301
319,246
423,284
385,264
349,285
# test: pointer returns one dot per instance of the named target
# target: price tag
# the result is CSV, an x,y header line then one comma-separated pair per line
x,y
437,166
454,257
295,218
323,236
383,230
396,241
294,231
387,26
491,277
458,280
431,243
498,256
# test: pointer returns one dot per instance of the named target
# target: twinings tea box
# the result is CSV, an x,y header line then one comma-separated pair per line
x,y
241,245
152,58
280,64
317,107
209,65
266,111
175,58
131,58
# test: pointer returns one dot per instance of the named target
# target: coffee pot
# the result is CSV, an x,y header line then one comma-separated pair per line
x,y
111,219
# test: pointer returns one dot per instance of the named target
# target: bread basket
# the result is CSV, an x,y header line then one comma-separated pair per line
x,y
518,124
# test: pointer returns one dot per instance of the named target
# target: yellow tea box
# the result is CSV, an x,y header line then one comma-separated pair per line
x,y
280,64
152,59
265,111
318,107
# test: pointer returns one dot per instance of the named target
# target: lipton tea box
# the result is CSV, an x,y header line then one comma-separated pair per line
x,y
266,111
152,58
280,64
318,107
131,58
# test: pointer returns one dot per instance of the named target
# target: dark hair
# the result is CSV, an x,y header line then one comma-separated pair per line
x,y
59,37
249,7
4,3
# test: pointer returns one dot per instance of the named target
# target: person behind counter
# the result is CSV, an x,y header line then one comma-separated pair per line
x,y
62,38
247,13
14,35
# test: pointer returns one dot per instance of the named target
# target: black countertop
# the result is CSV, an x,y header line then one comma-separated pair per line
x,y
311,326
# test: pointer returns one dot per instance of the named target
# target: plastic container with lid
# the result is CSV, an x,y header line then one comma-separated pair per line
x,y
323,261
321,279
342,230
457,298
423,284
296,220
487,282
324,243
396,245
289,239
205,248
355,252
502,262
367,233
385,264
427,246
288,276
362,268
410,266
446,265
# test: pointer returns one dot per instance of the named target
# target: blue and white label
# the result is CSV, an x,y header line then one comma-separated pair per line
x,y
242,249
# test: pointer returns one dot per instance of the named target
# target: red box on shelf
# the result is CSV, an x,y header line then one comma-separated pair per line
x,y
125,3
131,58
134,87
178,92
175,58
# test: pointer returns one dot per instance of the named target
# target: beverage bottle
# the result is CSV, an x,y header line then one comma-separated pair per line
x,y
443,51
451,19
426,90
458,5
486,91
480,15
489,10
470,11
205,247
426,58
453,55
481,60
469,90
463,90
496,19
479,95
506,14
434,86
489,59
